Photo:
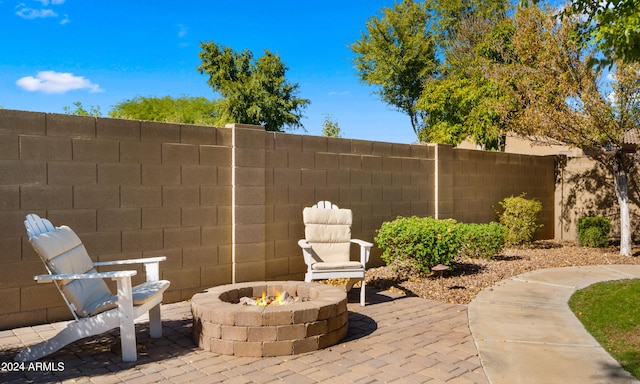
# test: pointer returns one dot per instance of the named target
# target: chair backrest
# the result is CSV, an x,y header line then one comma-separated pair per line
x,y
328,230
62,252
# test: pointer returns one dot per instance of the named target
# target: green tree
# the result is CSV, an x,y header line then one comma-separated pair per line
x,y
330,127
184,110
81,111
460,101
613,26
397,54
556,93
254,91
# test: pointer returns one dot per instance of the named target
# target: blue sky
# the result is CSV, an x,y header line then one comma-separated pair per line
x,y
57,52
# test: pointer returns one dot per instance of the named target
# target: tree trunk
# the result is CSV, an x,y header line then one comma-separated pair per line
x,y
414,124
622,193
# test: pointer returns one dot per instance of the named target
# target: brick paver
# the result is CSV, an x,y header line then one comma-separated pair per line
x,y
393,339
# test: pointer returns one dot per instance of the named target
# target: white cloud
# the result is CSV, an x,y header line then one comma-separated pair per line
x,y
52,2
56,82
30,13
182,30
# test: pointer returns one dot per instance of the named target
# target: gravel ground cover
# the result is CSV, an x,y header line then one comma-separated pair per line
x,y
460,285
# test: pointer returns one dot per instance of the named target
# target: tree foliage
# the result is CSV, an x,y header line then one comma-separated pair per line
x,y
556,93
447,99
613,26
330,127
81,111
450,16
254,91
397,54
184,110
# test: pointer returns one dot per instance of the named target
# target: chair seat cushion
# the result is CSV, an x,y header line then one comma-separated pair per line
x,y
337,266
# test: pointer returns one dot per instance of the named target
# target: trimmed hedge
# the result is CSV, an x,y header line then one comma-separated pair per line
x,y
420,242
482,240
594,231
416,244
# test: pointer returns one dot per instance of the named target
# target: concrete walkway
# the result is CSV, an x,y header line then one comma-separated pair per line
x,y
526,333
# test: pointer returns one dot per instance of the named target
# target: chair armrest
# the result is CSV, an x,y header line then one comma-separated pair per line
x,y
132,261
123,288
151,265
307,249
304,244
362,243
72,276
365,249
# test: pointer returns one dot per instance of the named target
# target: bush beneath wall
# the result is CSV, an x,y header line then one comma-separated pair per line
x,y
418,243
482,240
414,245
520,217
594,231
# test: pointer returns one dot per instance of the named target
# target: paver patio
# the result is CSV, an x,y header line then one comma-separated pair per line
x,y
393,339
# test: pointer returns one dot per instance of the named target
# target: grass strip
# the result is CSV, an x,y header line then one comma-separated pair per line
x,y
610,311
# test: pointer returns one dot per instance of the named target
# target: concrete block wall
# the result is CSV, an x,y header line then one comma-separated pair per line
x,y
377,181
472,183
130,189
223,204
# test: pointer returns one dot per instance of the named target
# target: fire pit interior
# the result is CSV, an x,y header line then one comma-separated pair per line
x,y
226,321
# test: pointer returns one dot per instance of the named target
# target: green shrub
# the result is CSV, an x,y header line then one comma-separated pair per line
x,y
594,231
417,243
520,217
481,240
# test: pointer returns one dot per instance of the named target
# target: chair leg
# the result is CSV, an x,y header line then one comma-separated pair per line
x,y
127,325
362,299
155,324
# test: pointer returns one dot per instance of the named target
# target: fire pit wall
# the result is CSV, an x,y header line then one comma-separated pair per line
x,y
221,325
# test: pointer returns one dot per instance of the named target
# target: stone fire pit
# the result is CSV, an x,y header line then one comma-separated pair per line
x,y
317,320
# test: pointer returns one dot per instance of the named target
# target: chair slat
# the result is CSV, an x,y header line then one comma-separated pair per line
x,y
325,205
36,225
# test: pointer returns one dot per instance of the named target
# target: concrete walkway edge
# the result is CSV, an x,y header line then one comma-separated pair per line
x,y
525,332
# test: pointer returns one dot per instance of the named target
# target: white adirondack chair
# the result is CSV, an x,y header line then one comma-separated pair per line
x,y
327,243
94,307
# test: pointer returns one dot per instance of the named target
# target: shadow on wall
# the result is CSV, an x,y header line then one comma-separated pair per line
x,y
588,190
